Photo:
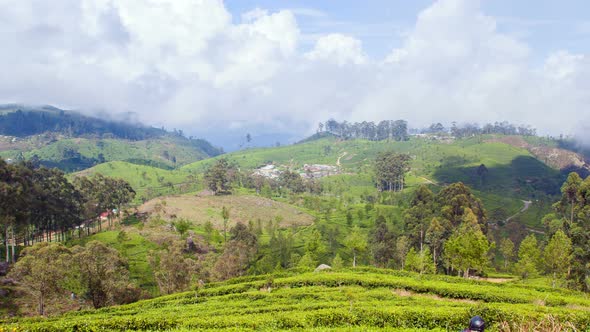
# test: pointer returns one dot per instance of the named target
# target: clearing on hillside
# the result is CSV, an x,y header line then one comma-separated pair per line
x,y
243,208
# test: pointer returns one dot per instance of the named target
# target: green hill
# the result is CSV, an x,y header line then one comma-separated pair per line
x,y
357,300
513,174
72,141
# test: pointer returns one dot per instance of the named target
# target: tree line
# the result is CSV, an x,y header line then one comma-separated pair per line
x,y
40,204
22,123
387,129
502,128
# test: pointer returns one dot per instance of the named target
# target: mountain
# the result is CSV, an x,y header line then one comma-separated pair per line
x,y
73,141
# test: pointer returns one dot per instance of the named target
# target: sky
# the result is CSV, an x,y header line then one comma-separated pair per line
x,y
275,68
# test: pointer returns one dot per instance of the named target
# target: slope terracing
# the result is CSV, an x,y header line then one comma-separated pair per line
x,y
363,299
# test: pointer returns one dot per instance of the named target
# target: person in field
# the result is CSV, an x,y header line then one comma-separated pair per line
x,y
476,324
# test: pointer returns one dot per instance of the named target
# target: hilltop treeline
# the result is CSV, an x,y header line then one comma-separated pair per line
x,y
21,123
386,129
502,128
40,204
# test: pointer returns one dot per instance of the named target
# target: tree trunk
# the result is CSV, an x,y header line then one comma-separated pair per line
x,y
13,245
434,257
41,305
6,243
572,213
421,237
353,258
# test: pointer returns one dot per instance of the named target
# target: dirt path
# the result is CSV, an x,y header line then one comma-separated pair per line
x,y
429,181
340,157
532,230
526,206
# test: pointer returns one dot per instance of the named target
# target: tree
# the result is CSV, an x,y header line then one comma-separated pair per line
x,y
225,216
382,243
306,262
529,256
507,250
356,242
292,181
482,172
42,270
182,226
453,201
558,256
217,177
172,269
402,246
248,138
238,253
418,216
390,169
315,246
103,273
569,192
420,262
434,236
337,263
468,247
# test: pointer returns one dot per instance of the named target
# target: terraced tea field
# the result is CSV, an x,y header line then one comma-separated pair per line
x,y
361,300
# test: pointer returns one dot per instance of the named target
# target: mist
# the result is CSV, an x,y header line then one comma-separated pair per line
x,y
197,67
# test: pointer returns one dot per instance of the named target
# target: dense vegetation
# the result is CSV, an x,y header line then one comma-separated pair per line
x,y
26,122
419,205
361,299
71,141
39,204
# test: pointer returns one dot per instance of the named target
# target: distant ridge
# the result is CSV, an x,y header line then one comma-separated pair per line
x,y
73,141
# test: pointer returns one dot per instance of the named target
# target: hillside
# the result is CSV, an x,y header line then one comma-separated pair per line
x,y
361,299
72,141
243,208
513,174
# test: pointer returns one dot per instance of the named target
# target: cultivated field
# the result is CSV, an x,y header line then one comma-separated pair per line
x,y
359,300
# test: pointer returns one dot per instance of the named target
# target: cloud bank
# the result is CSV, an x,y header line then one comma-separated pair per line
x,y
191,65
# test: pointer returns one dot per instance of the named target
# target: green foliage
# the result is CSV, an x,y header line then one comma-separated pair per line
x,y
468,247
356,242
103,274
364,300
173,271
42,271
182,226
558,256
390,169
507,250
529,256
217,177
337,263
306,262
420,262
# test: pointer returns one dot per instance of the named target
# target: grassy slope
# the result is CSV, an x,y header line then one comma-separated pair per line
x,y
513,173
153,150
350,300
242,208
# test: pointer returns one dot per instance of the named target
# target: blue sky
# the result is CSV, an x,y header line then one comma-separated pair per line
x,y
548,25
273,68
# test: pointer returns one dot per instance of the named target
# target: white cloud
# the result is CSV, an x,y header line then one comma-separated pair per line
x,y
186,64
338,48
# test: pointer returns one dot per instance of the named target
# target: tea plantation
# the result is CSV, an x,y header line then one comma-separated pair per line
x,y
364,299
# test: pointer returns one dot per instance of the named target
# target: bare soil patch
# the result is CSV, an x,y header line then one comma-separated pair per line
x,y
243,208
